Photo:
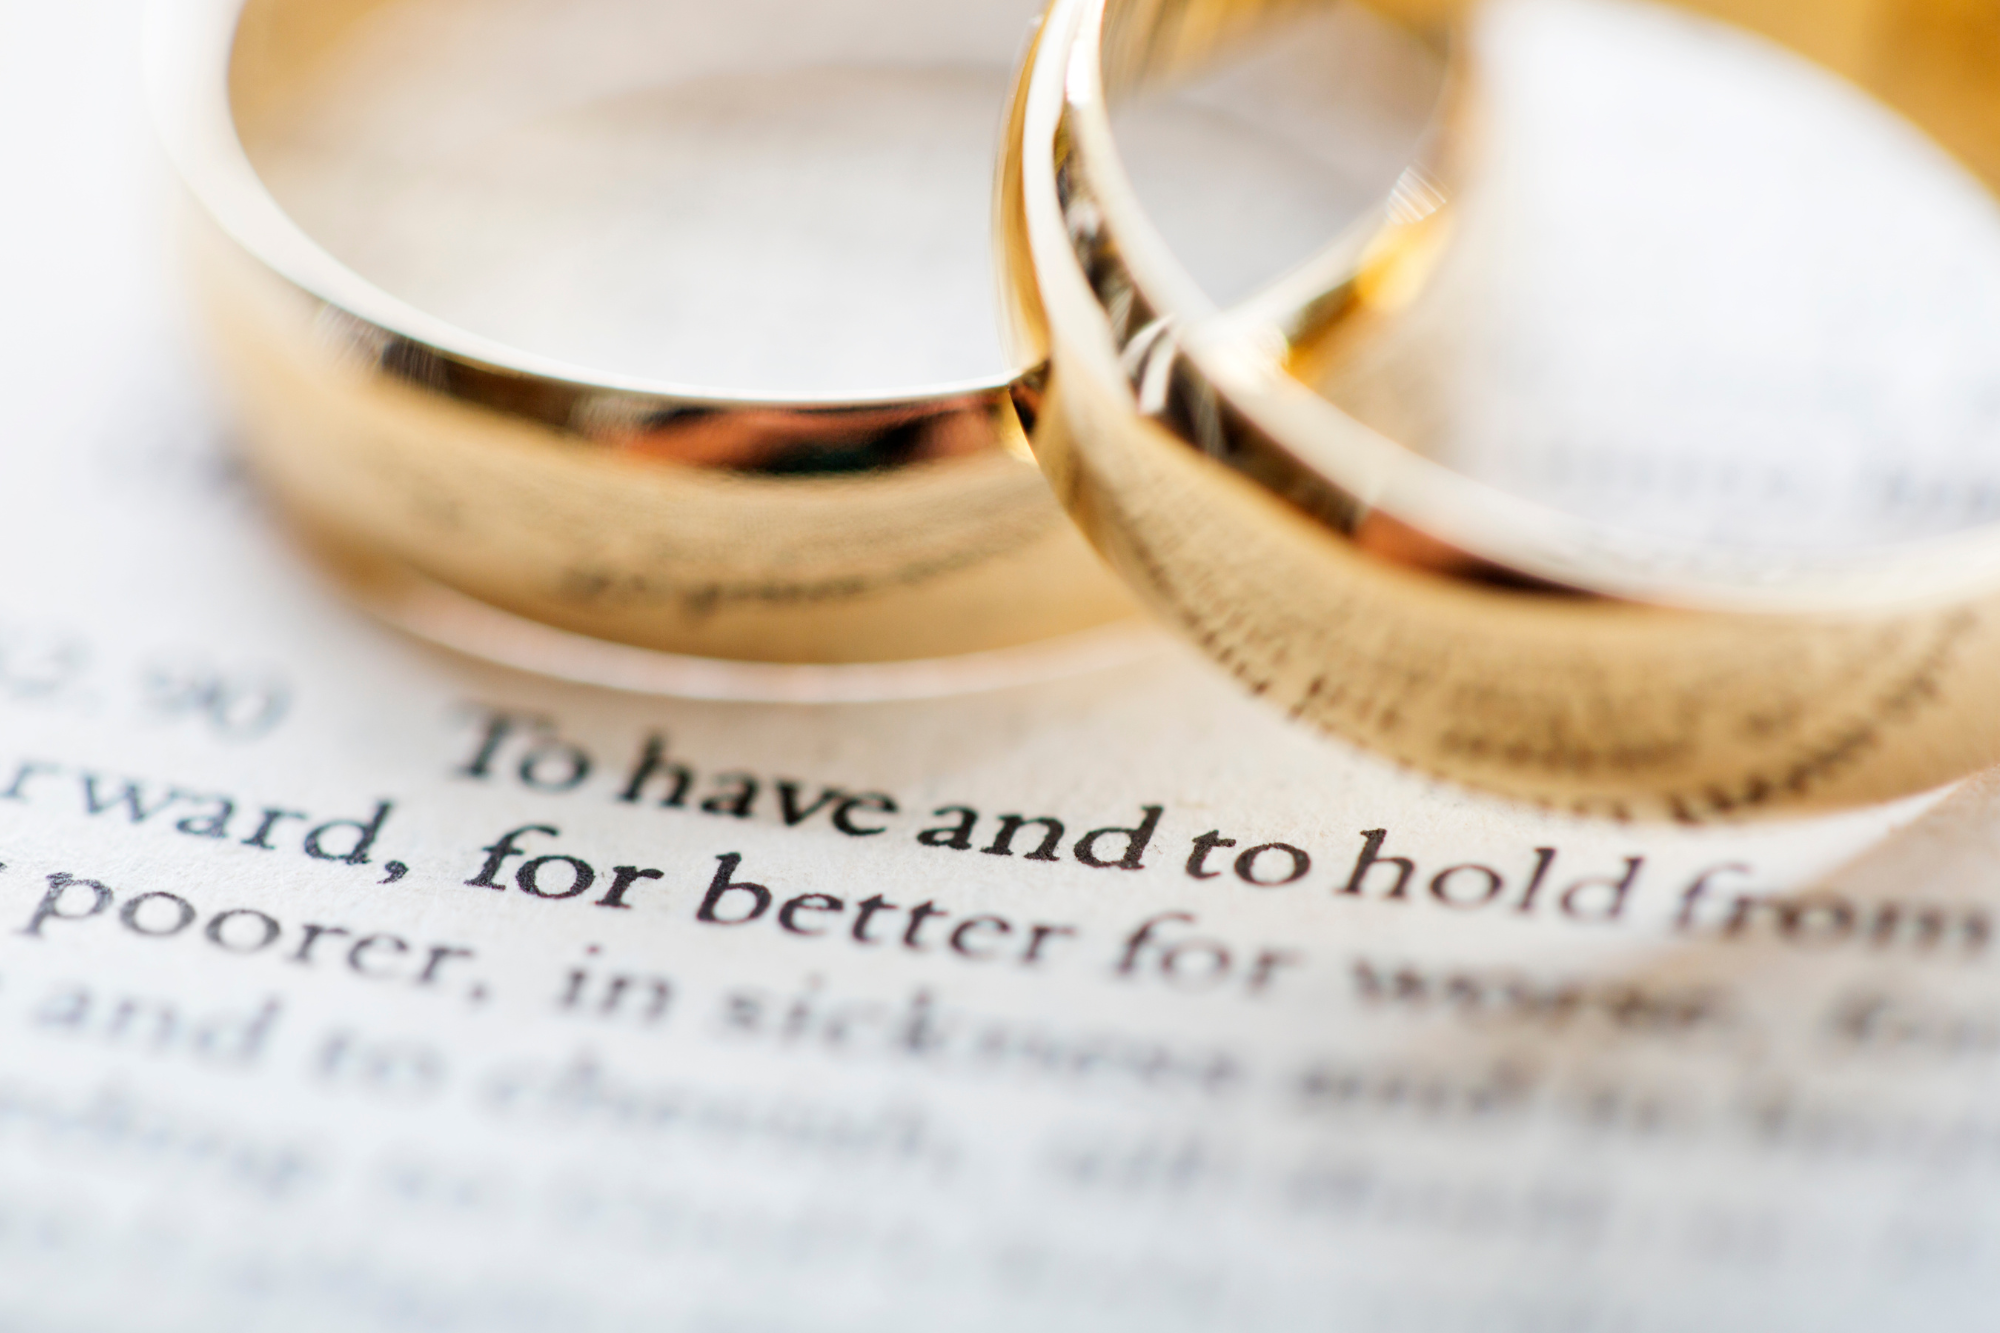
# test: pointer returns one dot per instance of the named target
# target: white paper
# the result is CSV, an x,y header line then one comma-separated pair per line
x,y
1615,1102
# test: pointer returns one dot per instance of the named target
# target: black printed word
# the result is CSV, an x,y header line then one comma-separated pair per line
x,y
155,1026
1161,947
1040,838
1418,1093
1828,920
1881,1023
922,928
554,876
1501,997
530,750
1471,886
205,815
583,1095
925,1032
51,667
242,931
590,992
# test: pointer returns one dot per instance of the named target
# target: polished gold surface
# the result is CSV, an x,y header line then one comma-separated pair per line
x,y
1384,598
906,524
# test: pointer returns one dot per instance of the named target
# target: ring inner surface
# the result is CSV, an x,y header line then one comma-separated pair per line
x,y
763,197
1293,124
1695,289
1702,289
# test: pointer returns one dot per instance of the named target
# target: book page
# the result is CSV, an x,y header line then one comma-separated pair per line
x,y
349,984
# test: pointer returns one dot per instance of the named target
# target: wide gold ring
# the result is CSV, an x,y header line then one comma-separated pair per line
x,y
1455,627
883,527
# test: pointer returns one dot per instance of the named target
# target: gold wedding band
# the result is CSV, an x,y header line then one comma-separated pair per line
x,y
1455,627
909,524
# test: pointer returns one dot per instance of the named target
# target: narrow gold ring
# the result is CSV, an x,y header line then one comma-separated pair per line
x,y
906,524
1390,601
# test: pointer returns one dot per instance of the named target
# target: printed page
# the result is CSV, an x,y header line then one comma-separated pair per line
x,y
348,984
